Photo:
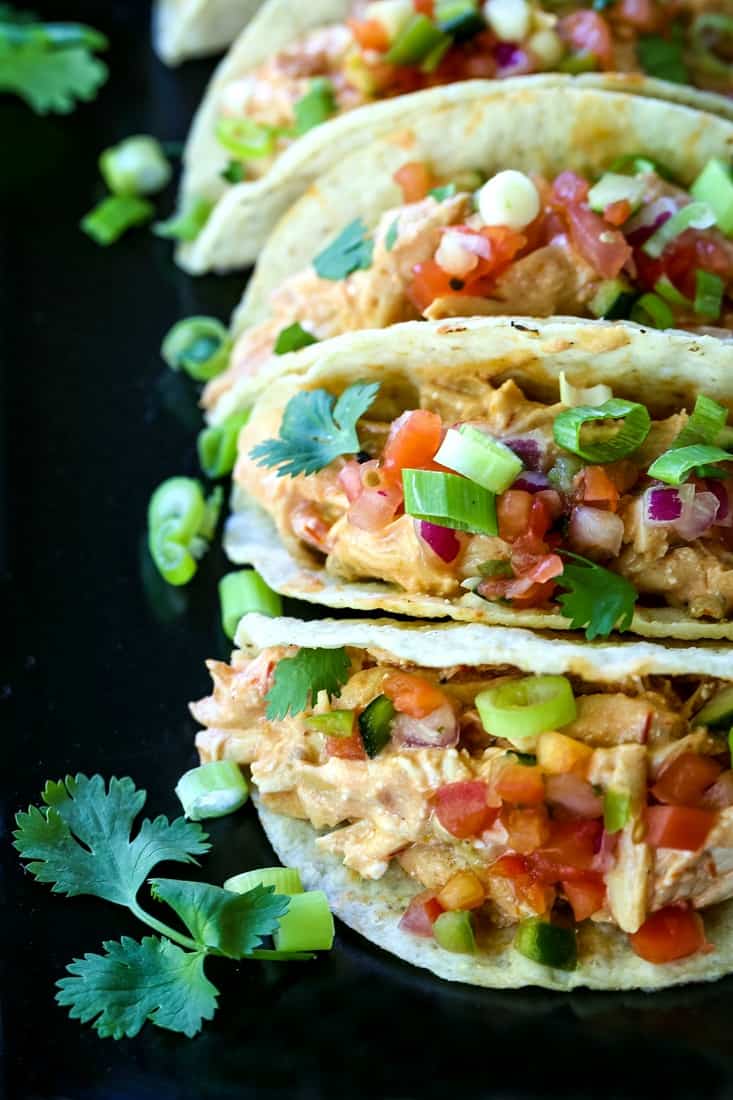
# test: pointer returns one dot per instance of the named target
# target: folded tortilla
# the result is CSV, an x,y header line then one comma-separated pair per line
x,y
442,364
373,907
195,28
479,125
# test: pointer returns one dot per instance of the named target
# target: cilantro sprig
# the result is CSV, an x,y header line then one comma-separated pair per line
x,y
299,679
80,842
314,431
597,599
352,250
50,65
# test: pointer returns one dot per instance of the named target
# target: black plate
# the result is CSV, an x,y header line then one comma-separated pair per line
x,y
103,660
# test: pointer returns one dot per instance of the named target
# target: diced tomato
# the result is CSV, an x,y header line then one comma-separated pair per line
x,y
412,694
346,748
528,828
568,851
606,250
375,508
421,914
537,595
515,867
598,488
513,510
462,808
671,933
370,34
415,179
540,517
429,282
588,32
679,827
520,785
616,213
510,866
412,442
463,890
685,779
720,795
586,895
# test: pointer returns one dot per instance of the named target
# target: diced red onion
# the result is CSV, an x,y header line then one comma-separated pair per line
x,y
511,58
441,540
416,919
651,216
528,449
573,794
437,730
662,505
531,481
724,517
697,517
605,852
595,529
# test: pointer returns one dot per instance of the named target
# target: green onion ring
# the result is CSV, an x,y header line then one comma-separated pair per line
x,y
523,708
568,426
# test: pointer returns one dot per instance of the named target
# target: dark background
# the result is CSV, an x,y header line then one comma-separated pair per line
x,y
102,659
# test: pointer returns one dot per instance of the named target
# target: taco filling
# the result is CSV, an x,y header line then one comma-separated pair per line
x,y
631,244
480,492
526,804
393,47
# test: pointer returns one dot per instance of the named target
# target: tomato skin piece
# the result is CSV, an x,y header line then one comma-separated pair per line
x,y
370,34
521,785
671,933
413,440
421,914
586,895
681,827
462,808
684,781
568,853
413,695
346,748
415,180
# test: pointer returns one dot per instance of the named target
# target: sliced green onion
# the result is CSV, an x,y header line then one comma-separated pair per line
x,y
453,931
336,723
652,311
666,289
112,217
616,810
198,345
418,38
459,18
520,709
234,172
173,560
709,290
718,711
293,338
286,880
181,500
714,186
212,511
185,224
574,396
243,592
705,424
613,187
316,106
480,458
449,501
375,724
612,300
212,790
217,445
307,925
547,944
662,58
137,166
436,55
703,56
244,138
696,215
577,431
674,466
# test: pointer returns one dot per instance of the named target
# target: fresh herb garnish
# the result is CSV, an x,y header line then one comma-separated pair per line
x,y
597,599
80,842
185,224
351,251
440,194
663,58
314,431
114,215
234,172
293,338
49,65
299,679
315,107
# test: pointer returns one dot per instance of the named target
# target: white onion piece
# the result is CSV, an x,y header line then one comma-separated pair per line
x,y
454,255
594,529
438,730
697,516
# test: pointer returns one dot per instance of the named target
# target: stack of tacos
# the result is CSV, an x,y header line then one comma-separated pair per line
x,y
488,369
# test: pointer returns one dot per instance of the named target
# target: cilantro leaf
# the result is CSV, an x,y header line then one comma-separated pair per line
x,y
315,107
50,79
314,432
299,679
232,924
81,842
351,251
293,338
597,599
133,982
663,58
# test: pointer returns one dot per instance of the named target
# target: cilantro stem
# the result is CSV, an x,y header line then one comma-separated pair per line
x,y
165,930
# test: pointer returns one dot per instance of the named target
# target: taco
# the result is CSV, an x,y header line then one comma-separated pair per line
x,y
548,475
196,28
259,139
500,808
598,222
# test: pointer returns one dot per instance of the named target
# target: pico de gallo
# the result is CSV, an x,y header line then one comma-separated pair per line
x,y
522,806
630,244
392,47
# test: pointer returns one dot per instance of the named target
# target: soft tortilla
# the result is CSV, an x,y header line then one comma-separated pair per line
x,y
196,28
665,370
454,122
373,908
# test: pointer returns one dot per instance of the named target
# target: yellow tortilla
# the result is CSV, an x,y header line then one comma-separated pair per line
x,y
664,370
522,122
196,28
374,908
